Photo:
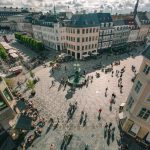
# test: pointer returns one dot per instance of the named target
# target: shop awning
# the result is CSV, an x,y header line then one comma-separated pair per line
x,y
148,137
14,55
12,51
122,116
21,105
135,128
86,55
95,53
122,104
24,123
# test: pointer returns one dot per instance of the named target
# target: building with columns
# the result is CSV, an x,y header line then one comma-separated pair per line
x,y
135,118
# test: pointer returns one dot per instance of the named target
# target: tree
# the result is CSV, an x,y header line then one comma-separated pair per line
x,y
30,86
32,74
3,53
10,83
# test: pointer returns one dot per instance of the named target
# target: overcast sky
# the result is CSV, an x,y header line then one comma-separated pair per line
x,y
119,6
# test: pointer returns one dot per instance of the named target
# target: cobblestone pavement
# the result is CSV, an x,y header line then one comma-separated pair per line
x,y
53,103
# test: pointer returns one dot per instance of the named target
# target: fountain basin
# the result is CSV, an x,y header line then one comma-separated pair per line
x,y
80,82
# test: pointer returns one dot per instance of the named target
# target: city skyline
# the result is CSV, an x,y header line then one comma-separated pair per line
x,y
112,6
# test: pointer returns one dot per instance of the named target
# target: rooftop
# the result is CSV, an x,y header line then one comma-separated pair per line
x,y
88,20
119,22
146,52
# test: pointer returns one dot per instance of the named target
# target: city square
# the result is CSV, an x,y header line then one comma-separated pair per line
x,y
53,102
74,75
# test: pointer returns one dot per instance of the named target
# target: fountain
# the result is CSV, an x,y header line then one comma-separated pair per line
x,y
77,79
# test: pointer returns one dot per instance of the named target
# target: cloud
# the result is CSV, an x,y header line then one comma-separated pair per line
x,y
123,6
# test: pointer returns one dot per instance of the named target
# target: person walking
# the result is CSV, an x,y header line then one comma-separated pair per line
x,y
110,124
99,115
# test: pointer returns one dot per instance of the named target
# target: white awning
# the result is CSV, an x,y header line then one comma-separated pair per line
x,y
12,51
95,53
14,55
121,116
86,55
148,137
122,104
135,128
15,68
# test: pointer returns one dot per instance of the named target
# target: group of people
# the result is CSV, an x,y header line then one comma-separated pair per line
x,y
72,108
83,118
109,132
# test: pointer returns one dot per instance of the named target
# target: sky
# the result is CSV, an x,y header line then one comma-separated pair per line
x,y
113,6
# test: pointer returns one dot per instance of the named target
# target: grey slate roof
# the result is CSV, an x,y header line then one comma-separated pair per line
x,y
142,16
146,52
119,22
89,20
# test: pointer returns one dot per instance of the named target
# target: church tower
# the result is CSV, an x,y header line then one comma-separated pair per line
x,y
135,9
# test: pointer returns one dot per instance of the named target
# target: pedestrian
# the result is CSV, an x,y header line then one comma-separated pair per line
x,y
100,110
112,73
110,124
52,70
65,68
106,126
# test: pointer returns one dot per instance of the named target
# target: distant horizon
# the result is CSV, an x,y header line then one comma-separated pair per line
x,y
111,6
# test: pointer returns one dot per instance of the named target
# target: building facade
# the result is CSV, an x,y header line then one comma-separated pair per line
x,y
51,33
121,34
7,104
82,35
134,30
136,120
106,31
143,23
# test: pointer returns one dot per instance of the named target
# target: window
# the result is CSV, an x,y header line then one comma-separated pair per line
x,y
95,45
90,30
78,39
89,38
78,48
89,46
93,30
146,69
2,103
92,45
144,113
82,39
82,47
83,31
148,99
93,38
86,39
7,95
130,103
86,30
85,47
78,31
138,86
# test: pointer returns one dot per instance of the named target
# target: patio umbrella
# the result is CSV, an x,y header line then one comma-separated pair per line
x,y
24,122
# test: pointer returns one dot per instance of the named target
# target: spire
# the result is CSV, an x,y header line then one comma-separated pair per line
x,y
135,9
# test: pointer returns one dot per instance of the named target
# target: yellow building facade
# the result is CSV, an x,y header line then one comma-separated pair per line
x,y
7,104
136,113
